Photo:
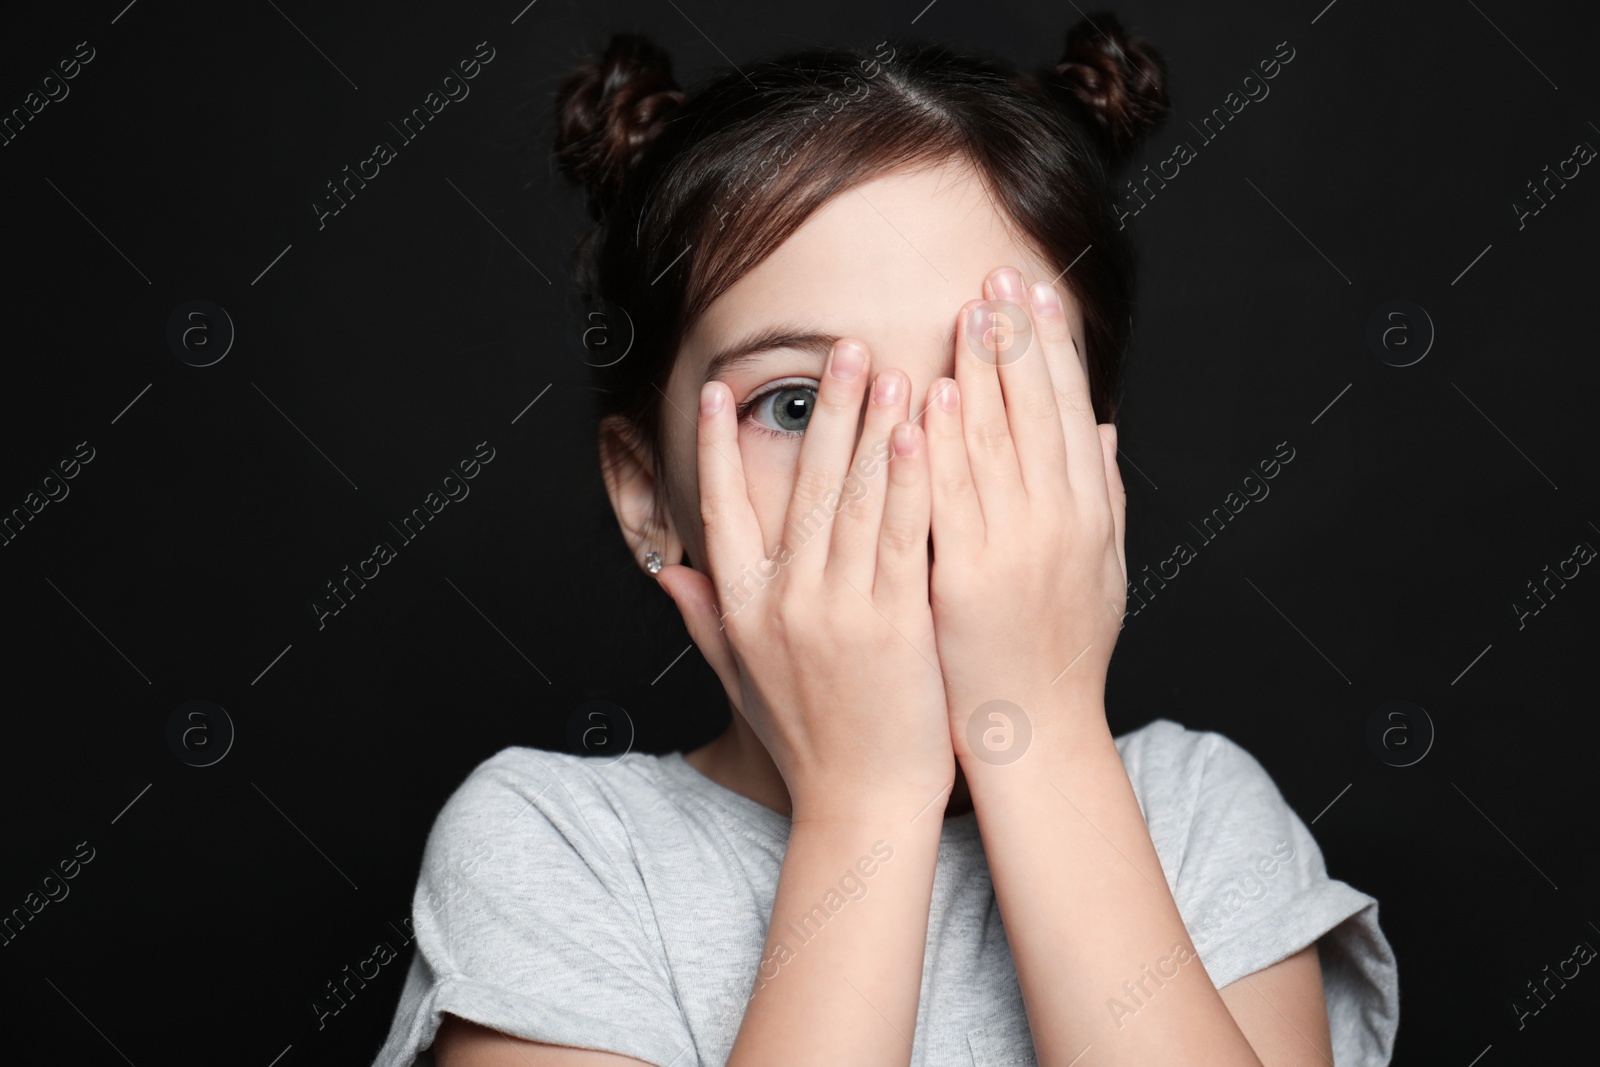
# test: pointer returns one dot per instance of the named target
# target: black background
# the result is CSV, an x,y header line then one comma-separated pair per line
x,y
376,352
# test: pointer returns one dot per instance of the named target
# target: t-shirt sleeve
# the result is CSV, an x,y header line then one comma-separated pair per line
x,y
528,919
1251,885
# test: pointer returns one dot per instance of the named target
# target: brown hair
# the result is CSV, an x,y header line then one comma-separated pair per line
x,y
693,189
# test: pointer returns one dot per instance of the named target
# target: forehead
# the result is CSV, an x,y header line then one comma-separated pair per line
x,y
899,251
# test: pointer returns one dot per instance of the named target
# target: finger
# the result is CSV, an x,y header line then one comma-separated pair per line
x,y
853,550
732,532
1116,495
902,571
991,453
695,597
829,439
1028,386
957,522
1085,470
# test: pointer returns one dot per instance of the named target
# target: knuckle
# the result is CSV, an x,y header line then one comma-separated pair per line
x,y
735,620
1039,404
901,536
950,591
857,498
844,398
1076,400
955,487
791,614
905,472
812,483
1053,328
991,435
802,526
1016,563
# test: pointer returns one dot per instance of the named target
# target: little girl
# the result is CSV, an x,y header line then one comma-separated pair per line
x,y
862,433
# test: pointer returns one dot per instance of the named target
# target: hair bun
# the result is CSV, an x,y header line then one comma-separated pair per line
x,y
609,110
1120,81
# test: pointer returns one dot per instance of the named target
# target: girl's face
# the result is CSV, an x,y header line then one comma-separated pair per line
x,y
889,263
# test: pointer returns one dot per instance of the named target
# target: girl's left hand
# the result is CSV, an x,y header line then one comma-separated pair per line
x,y
1029,577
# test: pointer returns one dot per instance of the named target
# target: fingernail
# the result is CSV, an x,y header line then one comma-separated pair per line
x,y
847,360
710,398
886,388
1008,285
979,321
905,440
949,398
1046,300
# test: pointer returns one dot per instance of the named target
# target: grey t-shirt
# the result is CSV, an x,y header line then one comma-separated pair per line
x,y
622,905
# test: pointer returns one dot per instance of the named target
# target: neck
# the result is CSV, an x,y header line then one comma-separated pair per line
x,y
736,759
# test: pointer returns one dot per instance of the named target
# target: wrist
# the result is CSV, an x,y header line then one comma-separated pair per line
x,y
863,811
1023,738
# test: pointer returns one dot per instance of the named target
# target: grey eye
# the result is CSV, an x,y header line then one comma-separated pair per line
x,y
786,409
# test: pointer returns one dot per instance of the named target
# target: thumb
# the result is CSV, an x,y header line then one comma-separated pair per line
x,y
696,600
1117,496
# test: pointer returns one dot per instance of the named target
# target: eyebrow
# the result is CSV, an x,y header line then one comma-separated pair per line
x,y
784,335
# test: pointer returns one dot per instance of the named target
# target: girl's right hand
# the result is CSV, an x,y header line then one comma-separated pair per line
x,y
829,652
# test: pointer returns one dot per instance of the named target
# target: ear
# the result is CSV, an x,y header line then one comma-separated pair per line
x,y
628,467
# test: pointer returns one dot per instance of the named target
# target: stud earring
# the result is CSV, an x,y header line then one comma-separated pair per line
x,y
652,562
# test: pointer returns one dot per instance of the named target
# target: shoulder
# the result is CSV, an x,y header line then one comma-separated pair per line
x,y
1167,745
1211,806
530,914
1251,883
1174,769
526,811
518,779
